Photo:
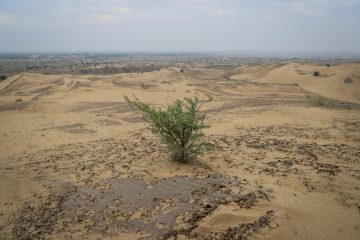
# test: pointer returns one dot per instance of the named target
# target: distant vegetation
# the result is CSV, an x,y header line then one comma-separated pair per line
x,y
316,74
348,80
2,77
116,63
179,126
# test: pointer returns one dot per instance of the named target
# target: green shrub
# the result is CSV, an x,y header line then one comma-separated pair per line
x,y
316,73
179,126
2,77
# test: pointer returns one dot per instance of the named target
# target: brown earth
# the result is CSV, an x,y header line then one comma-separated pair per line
x,y
77,163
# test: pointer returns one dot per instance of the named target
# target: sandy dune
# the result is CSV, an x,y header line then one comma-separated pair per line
x,y
77,162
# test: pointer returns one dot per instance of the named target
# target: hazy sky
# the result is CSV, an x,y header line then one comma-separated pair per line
x,y
179,25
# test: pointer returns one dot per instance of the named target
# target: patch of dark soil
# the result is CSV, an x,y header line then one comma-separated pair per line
x,y
351,126
79,131
110,206
46,93
83,84
255,145
109,122
282,167
132,195
96,107
77,128
309,185
294,151
41,90
136,118
14,106
205,209
319,101
148,85
243,231
275,172
130,84
330,169
38,218
262,100
310,150
21,93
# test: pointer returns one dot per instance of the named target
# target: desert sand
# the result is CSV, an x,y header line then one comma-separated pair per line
x,y
78,163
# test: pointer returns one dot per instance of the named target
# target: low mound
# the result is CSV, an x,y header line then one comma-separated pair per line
x,y
341,82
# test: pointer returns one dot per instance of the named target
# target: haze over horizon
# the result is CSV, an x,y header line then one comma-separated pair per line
x,y
180,25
